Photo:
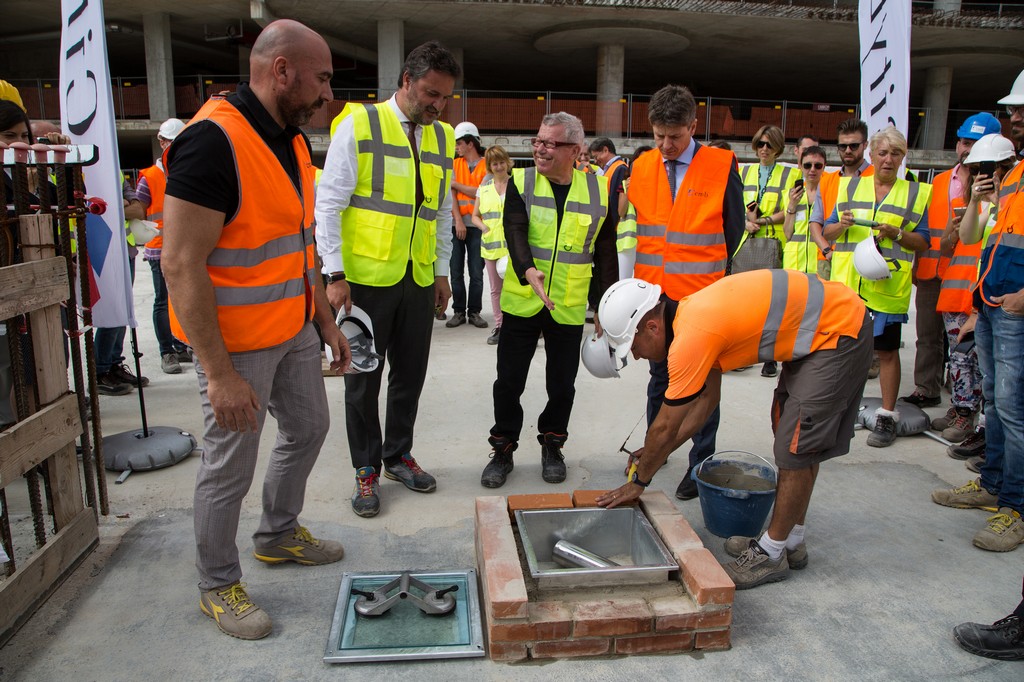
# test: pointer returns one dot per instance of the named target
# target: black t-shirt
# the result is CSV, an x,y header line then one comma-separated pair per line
x,y
201,167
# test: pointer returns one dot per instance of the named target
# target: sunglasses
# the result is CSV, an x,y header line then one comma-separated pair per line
x,y
1013,110
549,144
763,143
851,146
815,166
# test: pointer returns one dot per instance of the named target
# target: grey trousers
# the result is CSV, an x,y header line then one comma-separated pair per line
x,y
930,359
289,383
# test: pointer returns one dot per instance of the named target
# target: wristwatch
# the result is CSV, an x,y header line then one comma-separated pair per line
x,y
827,250
636,479
899,234
335,277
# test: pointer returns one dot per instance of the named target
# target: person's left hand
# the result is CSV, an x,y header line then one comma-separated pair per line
x,y
536,279
1011,303
752,227
967,327
597,325
460,230
442,292
621,495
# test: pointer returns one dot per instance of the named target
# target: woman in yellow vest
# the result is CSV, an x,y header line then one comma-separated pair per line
x,y
765,186
488,213
802,248
895,212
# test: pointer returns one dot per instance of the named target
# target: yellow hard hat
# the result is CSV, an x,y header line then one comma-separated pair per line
x,y
11,94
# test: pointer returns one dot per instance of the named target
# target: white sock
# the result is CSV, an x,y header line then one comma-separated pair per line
x,y
796,536
887,413
773,548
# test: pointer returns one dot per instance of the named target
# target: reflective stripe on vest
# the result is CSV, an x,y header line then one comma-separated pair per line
x,y
801,252
809,318
380,235
776,190
626,231
563,251
156,180
473,178
263,266
492,206
931,263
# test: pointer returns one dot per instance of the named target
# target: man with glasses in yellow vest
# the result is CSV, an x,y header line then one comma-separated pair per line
x,y
384,221
559,228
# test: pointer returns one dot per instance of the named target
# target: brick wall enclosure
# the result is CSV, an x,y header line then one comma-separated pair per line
x,y
523,621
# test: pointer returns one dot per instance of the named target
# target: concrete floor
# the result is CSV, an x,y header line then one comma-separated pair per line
x,y
890,574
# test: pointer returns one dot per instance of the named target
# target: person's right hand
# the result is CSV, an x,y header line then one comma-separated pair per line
x,y
983,188
234,402
795,194
460,230
536,279
340,295
846,220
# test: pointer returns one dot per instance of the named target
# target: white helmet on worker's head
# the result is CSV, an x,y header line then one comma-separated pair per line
x,y
599,358
358,330
992,147
869,261
621,308
171,128
1016,96
466,128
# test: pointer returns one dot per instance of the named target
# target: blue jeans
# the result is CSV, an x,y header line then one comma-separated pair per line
x,y
161,320
999,340
704,440
108,342
462,251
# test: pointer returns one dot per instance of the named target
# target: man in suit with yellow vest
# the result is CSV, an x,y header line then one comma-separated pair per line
x,y
150,193
560,230
384,198
819,331
690,217
929,266
244,283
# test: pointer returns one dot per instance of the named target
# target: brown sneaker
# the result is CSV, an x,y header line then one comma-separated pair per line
x,y
234,612
797,558
940,424
302,548
754,567
1004,532
968,496
961,426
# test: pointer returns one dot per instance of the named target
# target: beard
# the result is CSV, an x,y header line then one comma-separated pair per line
x,y
298,114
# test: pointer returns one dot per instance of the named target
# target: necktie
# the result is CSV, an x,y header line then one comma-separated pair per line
x,y
416,162
672,177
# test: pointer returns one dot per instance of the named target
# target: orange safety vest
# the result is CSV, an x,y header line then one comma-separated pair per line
x,y
931,263
610,171
1006,240
463,175
960,274
263,266
157,183
681,245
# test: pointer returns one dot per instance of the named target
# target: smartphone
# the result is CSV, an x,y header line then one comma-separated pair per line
x,y
959,211
799,183
752,206
987,168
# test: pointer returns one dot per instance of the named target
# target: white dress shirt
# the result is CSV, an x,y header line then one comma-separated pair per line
x,y
683,162
338,181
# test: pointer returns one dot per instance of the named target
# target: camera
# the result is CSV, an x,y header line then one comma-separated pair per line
x,y
799,183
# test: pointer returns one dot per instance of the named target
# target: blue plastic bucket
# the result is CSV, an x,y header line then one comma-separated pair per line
x,y
739,510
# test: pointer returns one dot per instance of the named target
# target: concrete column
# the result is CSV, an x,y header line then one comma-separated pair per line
x,y
390,56
455,111
156,28
938,83
611,65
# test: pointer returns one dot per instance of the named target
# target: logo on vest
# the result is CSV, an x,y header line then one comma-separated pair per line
x,y
690,192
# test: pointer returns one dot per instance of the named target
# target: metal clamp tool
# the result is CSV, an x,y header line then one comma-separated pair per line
x,y
434,602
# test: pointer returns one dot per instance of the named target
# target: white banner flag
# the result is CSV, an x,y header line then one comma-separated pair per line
x,y
87,115
885,64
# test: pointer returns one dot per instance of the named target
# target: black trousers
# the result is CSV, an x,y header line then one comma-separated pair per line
x,y
403,319
516,346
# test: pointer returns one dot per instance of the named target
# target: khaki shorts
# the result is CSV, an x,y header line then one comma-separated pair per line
x,y
817,402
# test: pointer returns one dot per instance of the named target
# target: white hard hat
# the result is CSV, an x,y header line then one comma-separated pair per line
x,y
358,330
1016,95
143,230
171,128
869,261
992,147
599,358
466,128
501,266
621,308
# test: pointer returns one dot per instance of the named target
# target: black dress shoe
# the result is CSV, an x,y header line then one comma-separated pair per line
x,y
687,489
921,400
1003,640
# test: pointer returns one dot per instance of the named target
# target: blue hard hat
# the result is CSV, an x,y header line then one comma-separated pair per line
x,y
978,126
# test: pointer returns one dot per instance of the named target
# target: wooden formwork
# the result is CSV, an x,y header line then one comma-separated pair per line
x,y
36,288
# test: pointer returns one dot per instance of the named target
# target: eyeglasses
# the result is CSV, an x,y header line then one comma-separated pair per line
x,y
852,146
762,143
1014,109
549,144
815,166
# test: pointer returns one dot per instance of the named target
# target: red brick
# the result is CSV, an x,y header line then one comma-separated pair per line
x,y
656,503
611,617
539,501
677,534
714,640
501,651
547,620
498,560
652,644
586,498
674,613
570,648
705,579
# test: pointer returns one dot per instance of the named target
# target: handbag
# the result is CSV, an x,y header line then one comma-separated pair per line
x,y
758,253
